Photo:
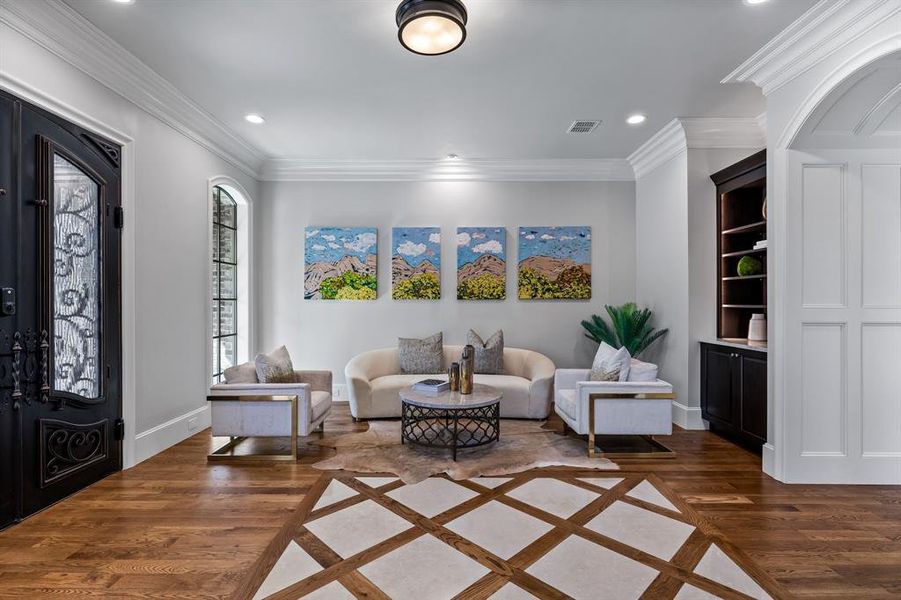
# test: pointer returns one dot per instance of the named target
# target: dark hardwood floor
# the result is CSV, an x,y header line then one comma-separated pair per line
x,y
176,527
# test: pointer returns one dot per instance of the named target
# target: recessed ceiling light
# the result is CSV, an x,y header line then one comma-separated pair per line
x,y
453,156
255,119
753,2
636,119
123,1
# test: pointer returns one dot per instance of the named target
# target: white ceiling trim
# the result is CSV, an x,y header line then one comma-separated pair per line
x,y
663,146
826,27
448,170
61,30
683,133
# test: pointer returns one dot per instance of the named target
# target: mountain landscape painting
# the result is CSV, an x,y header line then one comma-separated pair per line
x,y
416,263
481,263
341,263
554,263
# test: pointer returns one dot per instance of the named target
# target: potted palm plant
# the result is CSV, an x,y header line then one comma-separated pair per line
x,y
629,327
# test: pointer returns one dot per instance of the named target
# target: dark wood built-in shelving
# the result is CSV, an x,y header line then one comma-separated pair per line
x,y
733,370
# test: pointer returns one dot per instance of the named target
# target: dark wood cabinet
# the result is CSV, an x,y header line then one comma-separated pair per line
x,y
733,392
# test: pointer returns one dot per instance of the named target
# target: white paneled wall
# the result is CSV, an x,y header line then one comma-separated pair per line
x,y
843,373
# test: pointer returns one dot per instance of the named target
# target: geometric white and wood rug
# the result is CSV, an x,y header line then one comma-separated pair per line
x,y
542,534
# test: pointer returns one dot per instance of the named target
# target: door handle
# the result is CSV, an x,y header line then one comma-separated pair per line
x,y
7,302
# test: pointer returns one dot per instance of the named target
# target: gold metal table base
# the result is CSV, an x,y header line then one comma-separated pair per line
x,y
226,452
595,452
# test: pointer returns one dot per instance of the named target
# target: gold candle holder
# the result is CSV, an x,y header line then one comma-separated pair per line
x,y
453,377
467,366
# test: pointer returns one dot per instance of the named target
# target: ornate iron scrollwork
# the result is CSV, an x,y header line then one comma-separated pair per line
x,y
69,447
19,367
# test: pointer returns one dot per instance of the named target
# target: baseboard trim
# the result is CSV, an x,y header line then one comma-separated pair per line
x,y
688,417
156,439
768,464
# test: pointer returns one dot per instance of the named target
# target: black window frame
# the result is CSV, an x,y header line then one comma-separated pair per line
x,y
217,298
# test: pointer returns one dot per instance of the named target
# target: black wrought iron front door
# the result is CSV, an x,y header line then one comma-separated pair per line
x,y
60,330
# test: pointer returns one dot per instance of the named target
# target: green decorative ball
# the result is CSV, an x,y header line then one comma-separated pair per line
x,y
748,265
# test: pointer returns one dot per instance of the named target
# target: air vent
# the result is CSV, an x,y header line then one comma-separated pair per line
x,y
582,126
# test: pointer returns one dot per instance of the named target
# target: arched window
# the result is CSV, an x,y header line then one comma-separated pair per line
x,y
229,280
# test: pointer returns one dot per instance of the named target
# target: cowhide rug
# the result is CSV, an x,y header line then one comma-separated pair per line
x,y
523,445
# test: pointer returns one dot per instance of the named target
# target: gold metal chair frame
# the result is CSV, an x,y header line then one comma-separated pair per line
x,y
226,454
593,452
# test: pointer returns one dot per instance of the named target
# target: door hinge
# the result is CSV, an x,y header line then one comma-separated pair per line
x,y
119,217
120,430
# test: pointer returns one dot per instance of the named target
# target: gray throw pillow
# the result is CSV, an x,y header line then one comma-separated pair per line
x,y
243,373
421,357
489,359
275,367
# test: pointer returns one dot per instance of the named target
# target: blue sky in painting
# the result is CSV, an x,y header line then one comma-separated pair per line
x,y
474,242
329,244
416,244
556,242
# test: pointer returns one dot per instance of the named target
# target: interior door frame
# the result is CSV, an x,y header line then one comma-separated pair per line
x,y
47,102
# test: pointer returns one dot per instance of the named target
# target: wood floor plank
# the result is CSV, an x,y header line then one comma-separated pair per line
x,y
177,527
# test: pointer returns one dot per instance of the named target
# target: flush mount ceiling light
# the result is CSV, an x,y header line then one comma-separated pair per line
x,y
431,27
254,118
636,119
753,2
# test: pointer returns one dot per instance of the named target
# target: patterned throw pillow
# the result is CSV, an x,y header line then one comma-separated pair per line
x,y
489,359
421,357
275,367
610,364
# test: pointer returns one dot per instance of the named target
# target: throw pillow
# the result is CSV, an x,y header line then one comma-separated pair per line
x,y
489,358
642,371
275,367
425,356
610,366
243,373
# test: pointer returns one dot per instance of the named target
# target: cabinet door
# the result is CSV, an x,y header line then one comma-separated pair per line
x,y
718,385
753,397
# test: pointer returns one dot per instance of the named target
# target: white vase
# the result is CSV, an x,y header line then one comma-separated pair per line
x,y
757,328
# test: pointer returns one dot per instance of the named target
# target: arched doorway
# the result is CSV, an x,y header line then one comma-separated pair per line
x,y
840,178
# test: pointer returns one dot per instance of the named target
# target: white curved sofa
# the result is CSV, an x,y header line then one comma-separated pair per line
x,y
374,380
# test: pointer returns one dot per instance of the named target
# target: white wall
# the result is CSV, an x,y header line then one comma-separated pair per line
x,y
676,265
324,334
165,187
661,284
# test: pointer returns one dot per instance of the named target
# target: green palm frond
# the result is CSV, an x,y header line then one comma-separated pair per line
x,y
629,327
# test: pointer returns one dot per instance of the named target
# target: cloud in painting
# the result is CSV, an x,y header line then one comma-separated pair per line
x,y
312,233
547,237
318,247
362,242
491,246
409,248
530,237
463,239
333,245
328,238
435,238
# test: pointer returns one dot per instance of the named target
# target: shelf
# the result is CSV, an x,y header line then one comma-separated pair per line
x,y
740,278
749,228
761,306
743,252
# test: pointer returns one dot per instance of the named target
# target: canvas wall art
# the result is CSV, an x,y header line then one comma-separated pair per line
x,y
416,263
341,263
554,263
481,263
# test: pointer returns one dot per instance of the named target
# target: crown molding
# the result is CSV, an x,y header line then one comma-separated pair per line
x,y
683,133
58,28
447,170
663,146
827,27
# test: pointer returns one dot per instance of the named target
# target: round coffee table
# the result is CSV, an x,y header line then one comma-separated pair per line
x,y
451,419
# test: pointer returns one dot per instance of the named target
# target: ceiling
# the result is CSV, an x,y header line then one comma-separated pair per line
x,y
333,82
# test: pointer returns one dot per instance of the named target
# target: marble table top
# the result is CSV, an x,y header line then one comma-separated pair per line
x,y
482,395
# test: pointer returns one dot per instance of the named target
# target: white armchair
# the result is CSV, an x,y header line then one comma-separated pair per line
x,y
242,410
613,407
